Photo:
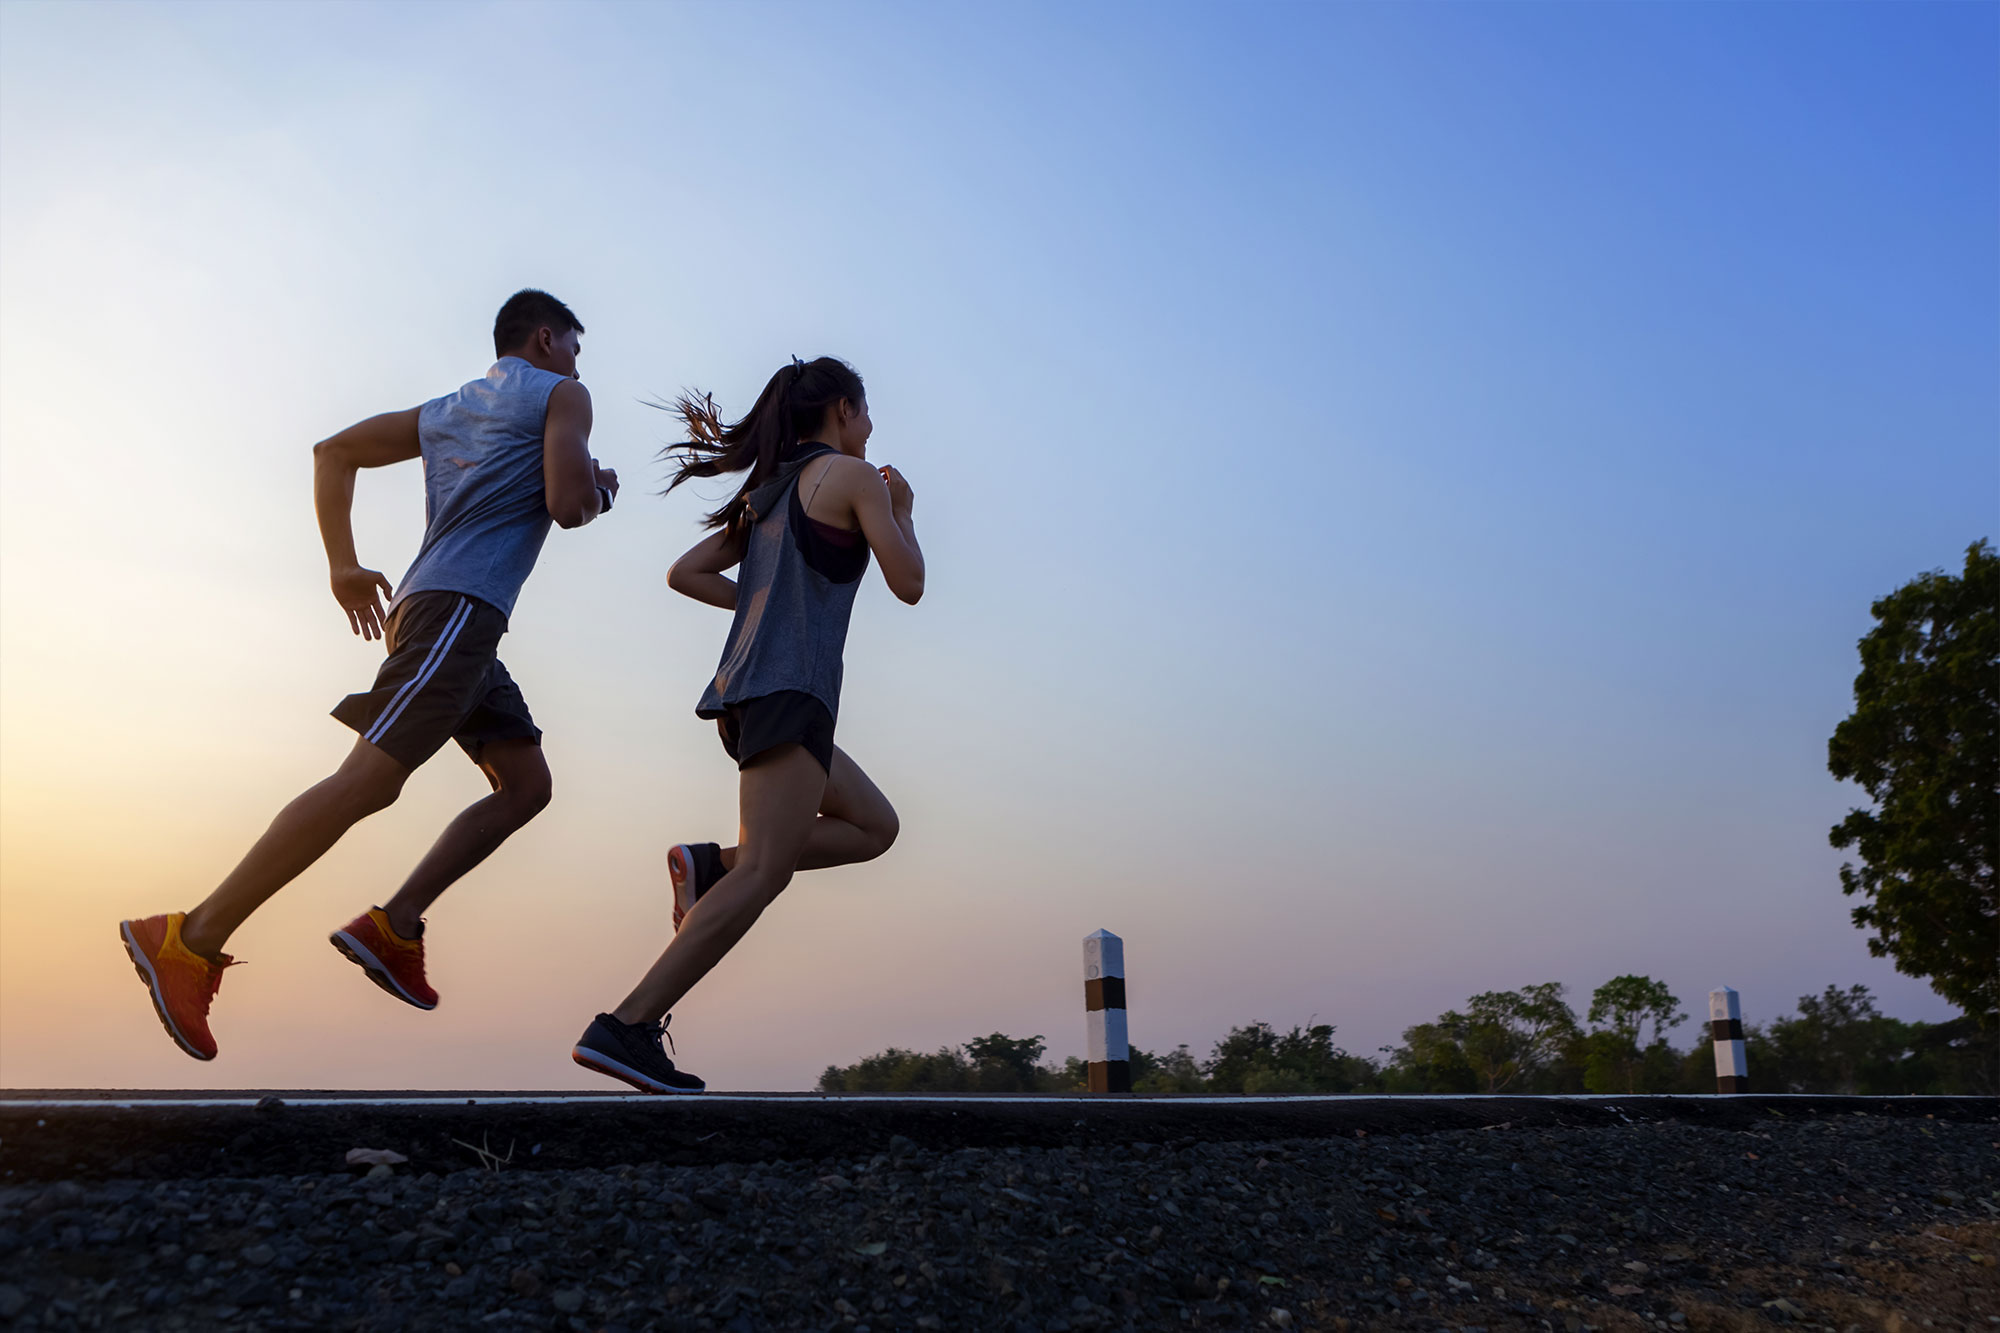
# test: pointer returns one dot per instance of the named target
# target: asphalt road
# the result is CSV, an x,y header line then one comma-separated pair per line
x,y
95,1134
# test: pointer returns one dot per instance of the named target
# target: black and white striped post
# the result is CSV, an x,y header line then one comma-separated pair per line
x,y
1725,1025
1104,1012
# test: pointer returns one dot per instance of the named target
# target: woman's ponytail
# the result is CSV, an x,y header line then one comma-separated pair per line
x,y
793,403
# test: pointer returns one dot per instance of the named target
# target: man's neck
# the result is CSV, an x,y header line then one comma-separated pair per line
x,y
528,355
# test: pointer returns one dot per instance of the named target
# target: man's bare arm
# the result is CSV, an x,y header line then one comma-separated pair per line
x,y
376,442
578,489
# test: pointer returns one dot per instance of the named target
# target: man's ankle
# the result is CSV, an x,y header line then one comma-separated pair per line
x,y
196,943
407,925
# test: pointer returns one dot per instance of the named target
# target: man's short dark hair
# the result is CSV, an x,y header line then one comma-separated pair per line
x,y
526,312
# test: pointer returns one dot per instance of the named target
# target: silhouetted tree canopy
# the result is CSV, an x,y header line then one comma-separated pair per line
x,y
1924,743
1524,1041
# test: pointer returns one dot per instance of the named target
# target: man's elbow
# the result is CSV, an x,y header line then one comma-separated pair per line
x,y
330,452
570,506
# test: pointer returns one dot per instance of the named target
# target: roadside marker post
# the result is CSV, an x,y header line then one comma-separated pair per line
x,y
1725,1025
1104,1012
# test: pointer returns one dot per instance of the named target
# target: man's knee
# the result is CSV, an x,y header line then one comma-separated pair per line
x,y
365,793
520,778
528,795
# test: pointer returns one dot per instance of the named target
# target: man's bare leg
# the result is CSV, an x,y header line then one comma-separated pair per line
x,y
367,781
521,788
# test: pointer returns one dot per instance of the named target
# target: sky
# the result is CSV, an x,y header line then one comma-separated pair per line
x,y
1401,488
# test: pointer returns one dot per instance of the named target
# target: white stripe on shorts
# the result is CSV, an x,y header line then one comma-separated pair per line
x,y
461,614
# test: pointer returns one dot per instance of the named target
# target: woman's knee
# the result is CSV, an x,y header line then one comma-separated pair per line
x,y
765,877
882,833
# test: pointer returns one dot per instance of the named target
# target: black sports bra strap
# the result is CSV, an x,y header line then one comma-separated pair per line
x,y
816,485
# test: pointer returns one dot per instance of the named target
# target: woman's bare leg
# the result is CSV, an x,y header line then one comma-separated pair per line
x,y
856,822
780,794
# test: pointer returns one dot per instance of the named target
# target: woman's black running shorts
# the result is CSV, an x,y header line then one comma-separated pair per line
x,y
789,717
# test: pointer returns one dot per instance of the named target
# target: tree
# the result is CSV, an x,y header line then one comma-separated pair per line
x,y
898,1070
1924,743
1176,1071
1431,1060
1004,1064
996,1063
1259,1059
1509,1034
1616,1053
1840,1042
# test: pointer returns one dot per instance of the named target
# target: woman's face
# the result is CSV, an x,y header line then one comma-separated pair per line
x,y
855,428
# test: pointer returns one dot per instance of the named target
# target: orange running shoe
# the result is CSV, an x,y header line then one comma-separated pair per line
x,y
182,983
391,962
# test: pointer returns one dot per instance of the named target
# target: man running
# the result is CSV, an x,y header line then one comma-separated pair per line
x,y
503,457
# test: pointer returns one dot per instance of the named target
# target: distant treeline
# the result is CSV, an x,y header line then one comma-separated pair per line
x,y
1528,1041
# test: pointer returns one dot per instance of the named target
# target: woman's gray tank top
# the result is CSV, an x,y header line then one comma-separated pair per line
x,y
791,621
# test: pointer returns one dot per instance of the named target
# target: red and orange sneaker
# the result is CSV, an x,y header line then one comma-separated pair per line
x,y
182,983
391,962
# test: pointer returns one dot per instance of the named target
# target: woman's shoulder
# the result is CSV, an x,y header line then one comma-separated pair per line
x,y
846,469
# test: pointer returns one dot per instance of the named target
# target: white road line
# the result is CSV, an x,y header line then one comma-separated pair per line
x,y
890,1098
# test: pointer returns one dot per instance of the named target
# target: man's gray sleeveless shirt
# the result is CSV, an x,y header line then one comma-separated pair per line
x,y
486,511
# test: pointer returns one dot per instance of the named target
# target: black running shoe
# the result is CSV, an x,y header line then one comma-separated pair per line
x,y
634,1053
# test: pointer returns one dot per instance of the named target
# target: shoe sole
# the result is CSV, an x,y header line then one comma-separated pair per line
x,y
144,966
680,869
597,1062
360,955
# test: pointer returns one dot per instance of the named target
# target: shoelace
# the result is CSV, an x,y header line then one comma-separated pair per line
x,y
215,975
659,1030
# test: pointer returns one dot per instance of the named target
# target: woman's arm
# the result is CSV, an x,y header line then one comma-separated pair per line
x,y
882,502
698,573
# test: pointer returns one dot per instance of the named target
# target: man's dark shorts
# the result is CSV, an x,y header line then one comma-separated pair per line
x,y
443,682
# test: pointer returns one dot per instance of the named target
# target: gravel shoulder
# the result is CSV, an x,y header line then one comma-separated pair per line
x,y
1840,1220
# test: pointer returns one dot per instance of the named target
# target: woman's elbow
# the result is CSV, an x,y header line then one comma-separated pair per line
x,y
910,590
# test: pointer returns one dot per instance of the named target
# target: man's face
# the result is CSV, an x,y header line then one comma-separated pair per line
x,y
560,351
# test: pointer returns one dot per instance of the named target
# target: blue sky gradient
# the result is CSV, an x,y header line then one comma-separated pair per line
x,y
1402,485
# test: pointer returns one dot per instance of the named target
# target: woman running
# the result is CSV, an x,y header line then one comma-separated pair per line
x,y
801,525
